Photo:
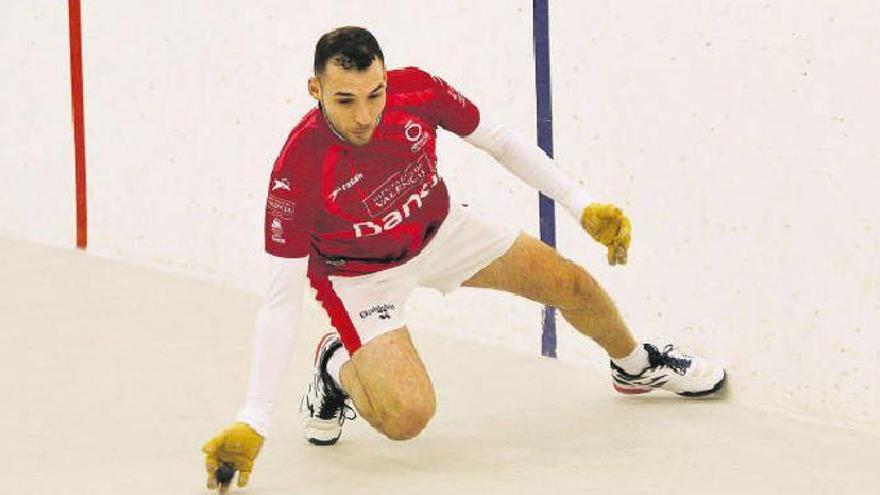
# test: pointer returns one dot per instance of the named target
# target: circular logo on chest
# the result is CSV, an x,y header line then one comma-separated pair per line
x,y
413,131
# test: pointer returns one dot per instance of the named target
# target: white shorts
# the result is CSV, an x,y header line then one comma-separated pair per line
x,y
464,244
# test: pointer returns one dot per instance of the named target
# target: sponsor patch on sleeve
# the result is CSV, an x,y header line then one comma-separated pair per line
x,y
279,208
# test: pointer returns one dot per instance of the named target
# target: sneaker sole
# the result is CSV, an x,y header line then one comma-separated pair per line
x,y
322,443
711,391
635,390
320,436
630,390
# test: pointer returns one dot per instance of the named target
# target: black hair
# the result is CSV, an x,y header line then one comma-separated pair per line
x,y
351,47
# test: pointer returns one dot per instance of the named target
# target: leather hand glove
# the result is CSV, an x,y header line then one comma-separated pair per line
x,y
238,446
608,225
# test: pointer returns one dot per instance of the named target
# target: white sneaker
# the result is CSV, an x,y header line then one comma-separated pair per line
x,y
324,405
671,370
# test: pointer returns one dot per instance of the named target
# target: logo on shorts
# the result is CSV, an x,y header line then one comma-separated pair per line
x,y
381,310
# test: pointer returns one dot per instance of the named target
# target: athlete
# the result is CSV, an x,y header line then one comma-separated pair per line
x,y
357,207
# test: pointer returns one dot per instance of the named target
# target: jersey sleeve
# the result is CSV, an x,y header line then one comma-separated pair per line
x,y
453,111
292,200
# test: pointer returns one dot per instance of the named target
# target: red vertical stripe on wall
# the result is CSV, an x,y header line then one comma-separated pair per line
x,y
79,137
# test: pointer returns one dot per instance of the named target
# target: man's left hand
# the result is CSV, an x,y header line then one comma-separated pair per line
x,y
608,225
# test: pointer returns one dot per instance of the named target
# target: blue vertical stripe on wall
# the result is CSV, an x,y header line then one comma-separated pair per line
x,y
547,212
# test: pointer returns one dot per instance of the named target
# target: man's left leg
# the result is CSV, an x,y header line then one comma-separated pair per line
x,y
536,271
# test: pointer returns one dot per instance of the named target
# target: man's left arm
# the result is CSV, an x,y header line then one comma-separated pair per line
x,y
606,223
454,112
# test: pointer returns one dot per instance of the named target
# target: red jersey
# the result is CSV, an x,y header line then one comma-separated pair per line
x,y
357,210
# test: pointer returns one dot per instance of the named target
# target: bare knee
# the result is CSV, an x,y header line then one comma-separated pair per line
x,y
396,417
575,287
390,386
408,421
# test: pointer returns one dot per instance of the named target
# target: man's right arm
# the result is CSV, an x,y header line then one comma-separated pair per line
x,y
238,446
291,207
290,211
276,329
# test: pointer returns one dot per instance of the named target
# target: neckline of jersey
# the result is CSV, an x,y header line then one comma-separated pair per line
x,y
341,141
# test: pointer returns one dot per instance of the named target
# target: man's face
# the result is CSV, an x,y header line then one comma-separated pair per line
x,y
352,100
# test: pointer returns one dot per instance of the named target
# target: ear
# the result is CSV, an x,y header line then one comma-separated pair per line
x,y
315,88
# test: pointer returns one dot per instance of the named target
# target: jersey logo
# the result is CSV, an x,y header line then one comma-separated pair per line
x,y
345,187
413,131
280,184
395,217
277,231
456,96
397,186
415,135
279,208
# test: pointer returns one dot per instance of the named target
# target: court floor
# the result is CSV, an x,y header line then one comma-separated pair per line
x,y
114,376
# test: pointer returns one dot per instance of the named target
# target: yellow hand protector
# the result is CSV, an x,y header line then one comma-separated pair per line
x,y
608,225
237,446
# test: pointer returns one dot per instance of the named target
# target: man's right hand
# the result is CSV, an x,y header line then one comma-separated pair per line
x,y
237,446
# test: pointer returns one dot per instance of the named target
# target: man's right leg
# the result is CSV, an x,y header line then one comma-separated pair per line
x,y
385,377
390,386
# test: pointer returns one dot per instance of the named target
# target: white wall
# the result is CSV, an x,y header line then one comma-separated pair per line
x,y
739,137
742,138
37,194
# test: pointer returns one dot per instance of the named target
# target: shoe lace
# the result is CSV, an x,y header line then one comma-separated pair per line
x,y
335,400
346,410
665,359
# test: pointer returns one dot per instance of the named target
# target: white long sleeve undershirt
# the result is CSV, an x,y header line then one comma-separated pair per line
x,y
275,332
529,162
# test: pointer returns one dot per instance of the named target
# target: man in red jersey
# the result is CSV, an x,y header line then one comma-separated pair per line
x,y
356,205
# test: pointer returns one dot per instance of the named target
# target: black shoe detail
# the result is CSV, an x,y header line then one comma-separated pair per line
x,y
622,372
315,441
334,397
711,391
660,359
